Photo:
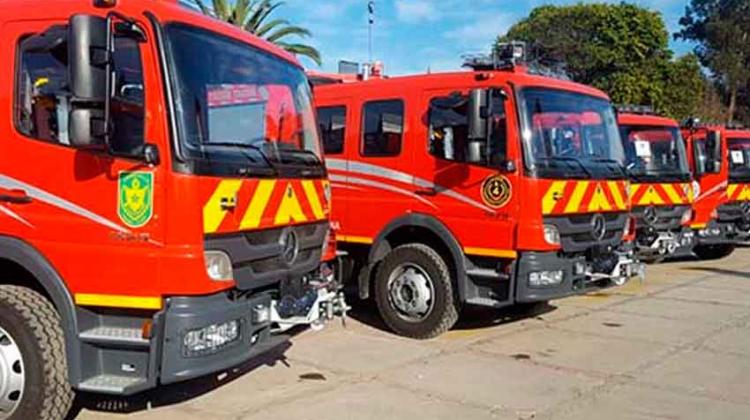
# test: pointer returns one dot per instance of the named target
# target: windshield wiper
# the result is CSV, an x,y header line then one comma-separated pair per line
x,y
242,147
570,159
310,153
615,162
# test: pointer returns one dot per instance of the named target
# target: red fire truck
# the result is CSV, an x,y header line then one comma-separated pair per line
x,y
487,187
735,214
707,154
176,209
661,192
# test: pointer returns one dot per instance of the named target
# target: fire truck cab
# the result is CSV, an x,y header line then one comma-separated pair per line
x,y
661,192
708,156
736,212
488,187
163,199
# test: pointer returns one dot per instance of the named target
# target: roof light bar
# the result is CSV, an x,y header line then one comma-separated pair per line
x,y
636,109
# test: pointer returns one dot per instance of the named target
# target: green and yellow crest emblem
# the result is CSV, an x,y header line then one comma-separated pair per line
x,y
136,198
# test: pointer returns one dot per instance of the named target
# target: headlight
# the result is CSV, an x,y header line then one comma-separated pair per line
x,y
552,235
210,339
218,266
546,278
687,216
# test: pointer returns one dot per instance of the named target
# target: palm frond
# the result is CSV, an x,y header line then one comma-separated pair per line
x,y
254,16
285,31
303,50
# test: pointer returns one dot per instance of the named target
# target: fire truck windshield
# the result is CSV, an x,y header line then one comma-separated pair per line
x,y
570,135
739,159
240,110
655,152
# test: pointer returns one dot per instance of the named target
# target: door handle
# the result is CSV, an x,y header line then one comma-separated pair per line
x,y
428,192
15,197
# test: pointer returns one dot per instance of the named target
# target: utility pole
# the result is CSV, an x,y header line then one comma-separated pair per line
x,y
371,24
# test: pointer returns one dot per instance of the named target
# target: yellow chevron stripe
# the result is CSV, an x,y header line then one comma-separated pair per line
x,y
254,213
634,189
744,194
574,204
486,252
651,197
290,211
213,213
614,189
313,199
731,190
557,189
599,201
118,301
673,195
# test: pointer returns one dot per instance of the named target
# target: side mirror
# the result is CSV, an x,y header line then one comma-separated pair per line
x,y
88,68
713,149
88,58
476,114
87,128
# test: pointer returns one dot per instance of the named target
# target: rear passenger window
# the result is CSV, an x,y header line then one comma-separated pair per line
x,y
383,128
43,93
332,122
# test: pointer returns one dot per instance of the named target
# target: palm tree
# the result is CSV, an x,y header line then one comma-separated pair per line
x,y
254,16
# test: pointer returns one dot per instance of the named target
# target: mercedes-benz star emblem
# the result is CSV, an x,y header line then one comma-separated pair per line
x,y
598,227
650,216
289,246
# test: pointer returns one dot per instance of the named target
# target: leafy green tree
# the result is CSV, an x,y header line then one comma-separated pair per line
x,y
255,16
622,49
721,29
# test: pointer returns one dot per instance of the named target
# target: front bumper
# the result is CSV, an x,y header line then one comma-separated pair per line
x,y
665,244
185,314
717,233
579,274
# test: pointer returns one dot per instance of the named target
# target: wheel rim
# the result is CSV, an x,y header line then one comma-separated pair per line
x,y
411,292
12,378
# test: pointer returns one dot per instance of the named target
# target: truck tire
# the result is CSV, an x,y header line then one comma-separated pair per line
x,y
713,252
32,357
414,292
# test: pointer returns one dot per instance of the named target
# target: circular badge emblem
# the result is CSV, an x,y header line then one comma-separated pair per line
x,y
598,227
497,191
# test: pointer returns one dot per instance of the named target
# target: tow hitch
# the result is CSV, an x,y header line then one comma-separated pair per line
x,y
313,301
621,268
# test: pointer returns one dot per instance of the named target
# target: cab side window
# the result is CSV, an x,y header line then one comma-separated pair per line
x,y
449,129
43,98
383,128
332,122
43,94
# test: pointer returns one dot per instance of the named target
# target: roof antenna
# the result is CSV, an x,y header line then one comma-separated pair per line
x,y
371,24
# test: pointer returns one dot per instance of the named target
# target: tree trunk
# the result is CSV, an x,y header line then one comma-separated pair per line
x,y
732,105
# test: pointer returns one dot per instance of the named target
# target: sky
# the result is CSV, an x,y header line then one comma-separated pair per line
x,y
412,36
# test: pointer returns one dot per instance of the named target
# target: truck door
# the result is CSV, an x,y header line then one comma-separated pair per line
x,y
379,167
95,214
462,177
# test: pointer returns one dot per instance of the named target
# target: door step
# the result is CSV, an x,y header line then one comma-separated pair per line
x,y
114,385
115,336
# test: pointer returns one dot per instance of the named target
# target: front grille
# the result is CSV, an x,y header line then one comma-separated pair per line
x,y
257,256
576,231
668,218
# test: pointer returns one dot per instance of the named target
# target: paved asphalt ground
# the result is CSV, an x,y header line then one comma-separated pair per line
x,y
674,347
